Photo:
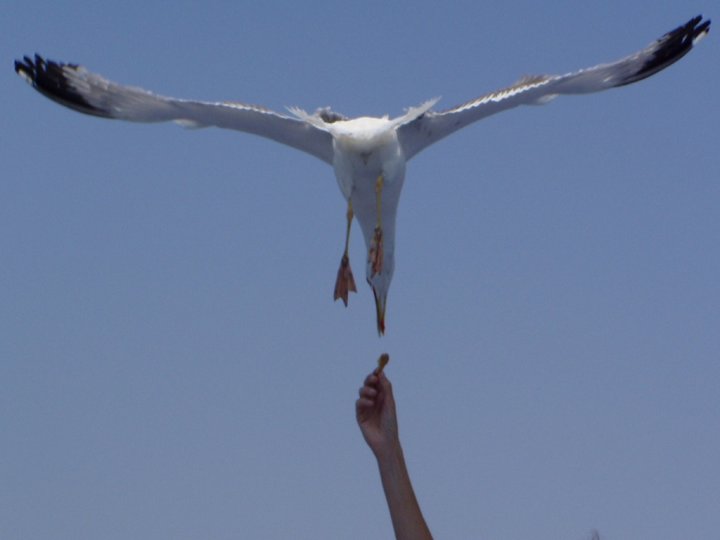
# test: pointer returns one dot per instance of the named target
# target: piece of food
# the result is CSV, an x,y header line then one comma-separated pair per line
x,y
382,362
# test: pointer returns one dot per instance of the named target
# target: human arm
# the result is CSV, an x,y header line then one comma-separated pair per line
x,y
377,418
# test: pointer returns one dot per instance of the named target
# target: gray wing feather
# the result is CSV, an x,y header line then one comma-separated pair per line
x,y
433,126
75,87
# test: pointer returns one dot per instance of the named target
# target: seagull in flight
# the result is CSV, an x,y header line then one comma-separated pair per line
x,y
368,154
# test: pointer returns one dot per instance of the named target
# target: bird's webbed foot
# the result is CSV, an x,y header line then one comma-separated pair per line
x,y
345,282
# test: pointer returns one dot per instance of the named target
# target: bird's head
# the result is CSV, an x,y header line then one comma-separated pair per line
x,y
380,305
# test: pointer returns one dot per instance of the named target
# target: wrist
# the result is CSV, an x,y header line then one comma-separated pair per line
x,y
389,454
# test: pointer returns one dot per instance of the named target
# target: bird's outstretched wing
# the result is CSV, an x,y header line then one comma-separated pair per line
x,y
433,126
75,87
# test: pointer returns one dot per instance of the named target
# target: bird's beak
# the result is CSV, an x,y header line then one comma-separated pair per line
x,y
380,303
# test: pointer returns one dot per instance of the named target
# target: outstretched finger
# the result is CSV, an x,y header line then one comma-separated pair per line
x,y
384,384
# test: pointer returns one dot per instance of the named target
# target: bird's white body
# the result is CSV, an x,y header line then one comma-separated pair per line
x,y
367,154
367,149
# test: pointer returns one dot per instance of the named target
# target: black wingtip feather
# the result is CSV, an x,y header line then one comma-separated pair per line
x,y
49,78
672,47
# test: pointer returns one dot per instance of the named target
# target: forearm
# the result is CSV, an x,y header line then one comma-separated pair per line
x,y
407,518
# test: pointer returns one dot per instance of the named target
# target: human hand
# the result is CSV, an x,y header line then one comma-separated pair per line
x,y
376,416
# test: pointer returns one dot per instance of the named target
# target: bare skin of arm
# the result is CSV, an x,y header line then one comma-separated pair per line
x,y
376,416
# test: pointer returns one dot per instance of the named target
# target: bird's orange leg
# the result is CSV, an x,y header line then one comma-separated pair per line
x,y
345,281
376,248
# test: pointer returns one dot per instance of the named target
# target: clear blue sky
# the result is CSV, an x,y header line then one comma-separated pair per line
x,y
172,365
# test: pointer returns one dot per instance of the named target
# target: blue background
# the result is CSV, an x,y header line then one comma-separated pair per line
x,y
172,365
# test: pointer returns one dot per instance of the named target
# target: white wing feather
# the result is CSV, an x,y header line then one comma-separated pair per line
x,y
433,126
79,89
